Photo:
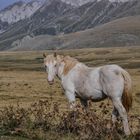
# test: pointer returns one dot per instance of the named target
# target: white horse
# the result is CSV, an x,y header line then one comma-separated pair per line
x,y
96,84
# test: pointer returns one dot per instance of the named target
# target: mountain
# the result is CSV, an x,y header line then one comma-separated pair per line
x,y
120,32
57,17
103,11
38,23
16,12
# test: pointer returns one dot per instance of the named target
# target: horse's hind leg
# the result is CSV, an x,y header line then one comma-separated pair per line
x,y
115,114
84,103
113,85
123,114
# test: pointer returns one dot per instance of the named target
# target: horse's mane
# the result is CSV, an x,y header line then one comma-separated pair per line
x,y
69,64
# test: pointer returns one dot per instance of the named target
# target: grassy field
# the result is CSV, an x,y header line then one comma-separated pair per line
x,y
23,79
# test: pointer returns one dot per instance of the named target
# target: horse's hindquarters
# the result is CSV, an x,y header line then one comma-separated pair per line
x,y
112,81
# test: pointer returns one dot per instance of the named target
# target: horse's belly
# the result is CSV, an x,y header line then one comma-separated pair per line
x,y
95,95
98,97
89,87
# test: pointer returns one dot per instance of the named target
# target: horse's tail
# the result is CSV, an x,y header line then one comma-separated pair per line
x,y
127,92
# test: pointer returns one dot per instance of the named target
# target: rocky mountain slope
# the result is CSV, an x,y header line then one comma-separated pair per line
x,y
17,11
82,2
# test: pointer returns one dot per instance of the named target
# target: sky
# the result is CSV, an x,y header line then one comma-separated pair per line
x,y
4,3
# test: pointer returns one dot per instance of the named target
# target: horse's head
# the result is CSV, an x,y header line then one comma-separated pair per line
x,y
53,65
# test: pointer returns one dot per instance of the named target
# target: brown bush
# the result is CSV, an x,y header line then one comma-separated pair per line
x,y
44,120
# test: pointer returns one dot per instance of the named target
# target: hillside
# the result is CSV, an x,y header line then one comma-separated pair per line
x,y
121,32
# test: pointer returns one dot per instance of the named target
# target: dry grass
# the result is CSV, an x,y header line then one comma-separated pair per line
x,y
23,80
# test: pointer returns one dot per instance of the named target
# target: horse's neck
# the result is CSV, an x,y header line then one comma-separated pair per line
x,y
66,69
72,65
80,68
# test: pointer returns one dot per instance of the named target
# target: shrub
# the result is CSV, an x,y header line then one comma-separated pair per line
x,y
44,120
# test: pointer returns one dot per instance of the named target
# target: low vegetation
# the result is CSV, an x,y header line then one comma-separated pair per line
x,y
45,120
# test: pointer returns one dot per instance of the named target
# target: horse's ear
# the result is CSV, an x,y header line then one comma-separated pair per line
x,y
55,54
44,55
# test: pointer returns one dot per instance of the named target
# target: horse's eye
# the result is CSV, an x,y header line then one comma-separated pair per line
x,y
55,65
45,66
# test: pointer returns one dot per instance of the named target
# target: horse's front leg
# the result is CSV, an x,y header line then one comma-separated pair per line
x,y
71,97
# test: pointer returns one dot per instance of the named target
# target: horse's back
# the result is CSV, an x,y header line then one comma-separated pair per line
x,y
111,67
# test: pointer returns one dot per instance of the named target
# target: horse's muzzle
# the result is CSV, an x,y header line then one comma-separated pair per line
x,y
51,82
